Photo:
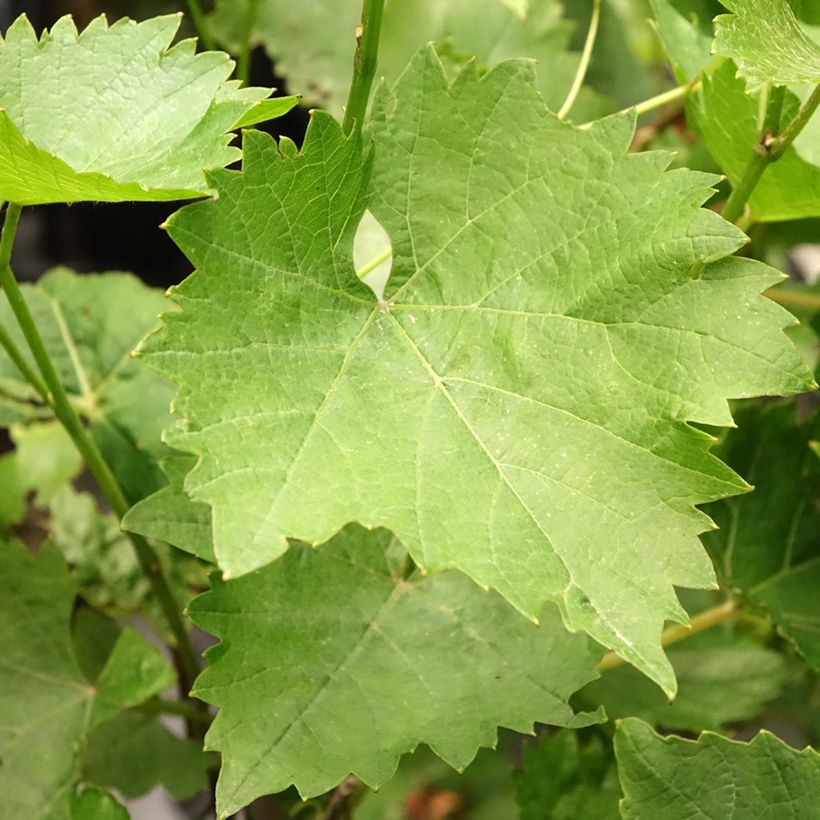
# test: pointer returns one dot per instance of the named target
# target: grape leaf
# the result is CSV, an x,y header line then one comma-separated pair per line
x,y
47,707
90,336
766,41
133,753
722,678
323,642
768,546
561,780
312,45
114,114
547,301
725,117
713,777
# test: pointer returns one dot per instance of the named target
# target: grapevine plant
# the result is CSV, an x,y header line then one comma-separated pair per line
x,y
462,440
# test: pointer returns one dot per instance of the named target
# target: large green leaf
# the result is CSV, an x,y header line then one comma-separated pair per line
x,y
90,324
47,706
114,114
325,642
768,545
547,331
713,777
313,44
766,41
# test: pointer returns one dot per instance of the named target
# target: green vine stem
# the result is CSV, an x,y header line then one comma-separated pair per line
x,y
586,56
771,145
243,69
187,659
201,25
703,620
364,64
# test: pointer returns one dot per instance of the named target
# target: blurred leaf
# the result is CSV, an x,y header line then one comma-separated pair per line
x,y
722,678
47,707
90,324
312,44
725,117
768,544
560,779
133,753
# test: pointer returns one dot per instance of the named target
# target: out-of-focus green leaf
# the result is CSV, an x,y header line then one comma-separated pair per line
x,y
722,678
560,779
768,544
47,707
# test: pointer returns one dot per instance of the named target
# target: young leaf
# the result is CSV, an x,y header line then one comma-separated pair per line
x,y
114,114
325,642
766,41
90,325
680,779
557,311
47,707
768,545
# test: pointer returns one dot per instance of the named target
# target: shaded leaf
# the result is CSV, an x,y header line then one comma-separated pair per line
x,y
133,753
722,678
324,642
560,779
47,707
768,546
